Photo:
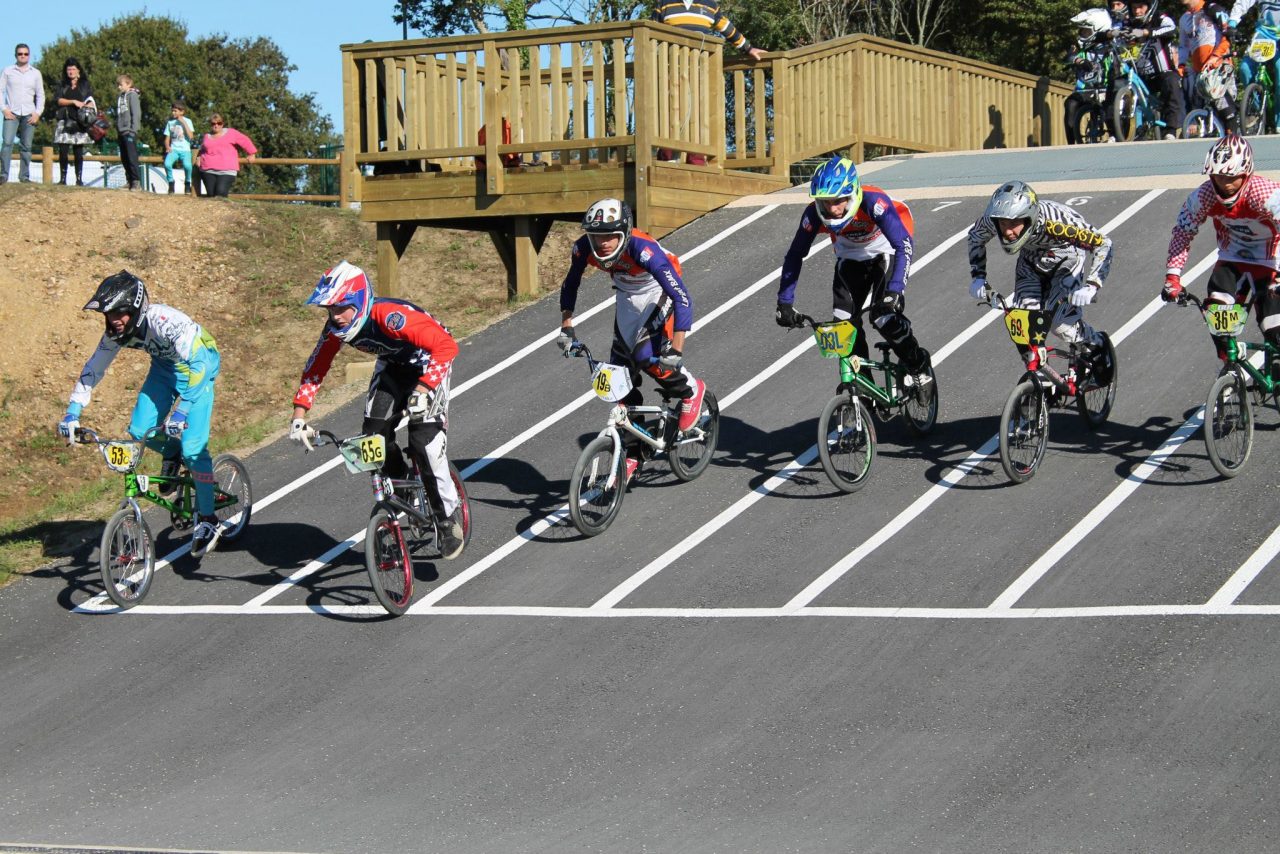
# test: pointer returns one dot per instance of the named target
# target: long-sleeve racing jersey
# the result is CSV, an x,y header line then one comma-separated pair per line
x,y
1248,231
174,342
1057,234
882,226
643,267
396,331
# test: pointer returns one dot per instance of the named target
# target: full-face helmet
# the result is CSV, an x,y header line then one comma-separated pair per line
x,y
121,292
1211,83
835,181
1145,19
1118,10
606,218
1014,200
345,285
1231,157
1090,22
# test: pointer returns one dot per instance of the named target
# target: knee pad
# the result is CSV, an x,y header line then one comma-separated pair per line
x,y
893,326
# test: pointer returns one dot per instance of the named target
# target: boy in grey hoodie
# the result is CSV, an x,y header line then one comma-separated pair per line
x,y
128,123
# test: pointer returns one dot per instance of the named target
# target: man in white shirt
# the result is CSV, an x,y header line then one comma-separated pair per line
x,y
22,98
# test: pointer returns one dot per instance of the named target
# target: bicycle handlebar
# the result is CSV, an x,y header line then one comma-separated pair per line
x,y
90,436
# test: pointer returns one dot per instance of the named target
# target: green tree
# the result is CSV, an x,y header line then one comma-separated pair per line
x,y
247,80
1026,35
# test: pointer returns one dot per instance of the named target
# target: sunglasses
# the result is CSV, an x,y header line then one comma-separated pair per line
x,y
22,53
215,124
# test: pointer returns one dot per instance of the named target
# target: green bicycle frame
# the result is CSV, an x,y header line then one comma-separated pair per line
x,y
836,340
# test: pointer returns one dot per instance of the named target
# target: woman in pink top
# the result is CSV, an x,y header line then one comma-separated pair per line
x,y
220,156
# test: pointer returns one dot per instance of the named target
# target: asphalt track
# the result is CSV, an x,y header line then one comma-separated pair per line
x,y
751,662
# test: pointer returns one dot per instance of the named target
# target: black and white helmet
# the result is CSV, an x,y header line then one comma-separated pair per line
x,y
122,292
608,217
1015,200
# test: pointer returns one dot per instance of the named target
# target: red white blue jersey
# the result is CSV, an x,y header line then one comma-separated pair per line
x,y
643,268
396,331
882,226
1248,231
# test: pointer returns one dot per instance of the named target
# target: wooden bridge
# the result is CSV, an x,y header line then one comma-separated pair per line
x,y
508,132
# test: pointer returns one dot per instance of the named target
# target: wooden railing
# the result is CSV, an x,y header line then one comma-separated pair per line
x,y
611,93
48,160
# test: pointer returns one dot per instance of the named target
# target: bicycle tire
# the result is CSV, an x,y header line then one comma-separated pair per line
x,y
1202,124
127,558
921,412
232,479
854,443
1024,432
1228,423
1091,125
1253,110
690,459
386,557
1124,105
1094,399
463,502
597,487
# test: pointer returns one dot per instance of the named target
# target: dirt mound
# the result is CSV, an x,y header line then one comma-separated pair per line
x,y
241,269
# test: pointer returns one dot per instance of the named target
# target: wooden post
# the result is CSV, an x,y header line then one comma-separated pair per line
x,y
393,239
494,172
646,93
518,249
348,171
46,158
716,107
782,118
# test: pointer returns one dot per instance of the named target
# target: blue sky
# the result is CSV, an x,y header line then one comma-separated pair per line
x,y
308,32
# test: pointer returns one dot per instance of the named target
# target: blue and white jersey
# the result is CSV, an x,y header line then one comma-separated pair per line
x,y
1268,12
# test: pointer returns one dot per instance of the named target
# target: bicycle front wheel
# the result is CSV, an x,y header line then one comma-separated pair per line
x,y
232,480
1124,121
1091,124
692,453
1024,432
1095,397
1201,124
846,442
386,557
921,407
464,503
1228,424
127,558
597,487
1253,110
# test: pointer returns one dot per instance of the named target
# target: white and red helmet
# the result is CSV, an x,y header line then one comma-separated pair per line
x,y
343,285
605,218
1230,157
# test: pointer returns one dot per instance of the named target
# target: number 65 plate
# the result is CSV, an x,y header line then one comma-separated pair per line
x,y
364,453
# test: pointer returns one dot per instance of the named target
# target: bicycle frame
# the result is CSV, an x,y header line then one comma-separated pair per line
x,y
360,456
851,365
1237,351
1039,371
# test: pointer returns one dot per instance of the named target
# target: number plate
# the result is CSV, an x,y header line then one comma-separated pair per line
x,y
611,382
1027,326
1262,49
364,453
835,339
1225,320
120,456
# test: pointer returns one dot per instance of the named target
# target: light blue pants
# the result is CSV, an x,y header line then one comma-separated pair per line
x,y
173,157
159,393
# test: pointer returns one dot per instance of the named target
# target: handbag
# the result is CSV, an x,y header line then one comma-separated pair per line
x,y
86,116
100,127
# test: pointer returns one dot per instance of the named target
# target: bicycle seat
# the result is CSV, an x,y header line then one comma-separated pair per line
x,y
884,347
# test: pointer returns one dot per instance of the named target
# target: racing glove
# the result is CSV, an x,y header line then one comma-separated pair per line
x,y
978,289
1083,295
786,316
68,426
565,340
1172,288
176,424
671,359
892,302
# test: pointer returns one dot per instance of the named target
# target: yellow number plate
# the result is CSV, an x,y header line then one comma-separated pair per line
x,y
119,456
1018,322
611,382
373,449
1225,319
364,453
1262,49
835,339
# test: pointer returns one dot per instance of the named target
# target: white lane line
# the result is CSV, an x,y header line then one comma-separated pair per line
x,y
1154,461
829,612
1247,572
789,471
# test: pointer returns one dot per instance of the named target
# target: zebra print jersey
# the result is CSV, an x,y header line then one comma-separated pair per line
x,y
1059,235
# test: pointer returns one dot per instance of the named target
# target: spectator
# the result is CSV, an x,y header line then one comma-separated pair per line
x,y
72,94
705,18
178,133
128,123
219,159
22,99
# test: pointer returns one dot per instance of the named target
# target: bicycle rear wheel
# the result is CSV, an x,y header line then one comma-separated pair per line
x,y
232,480
464,503
1202,124
1095,398
597,487
1124,122
387,559
921,407
1253,110
1228,424
127,558
691,456
846,442
1024,432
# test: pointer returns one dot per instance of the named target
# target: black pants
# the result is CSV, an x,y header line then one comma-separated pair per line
x,y
1250,286
386,401
1167,86
129,159
852,283
216,185
1075,107
63,150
